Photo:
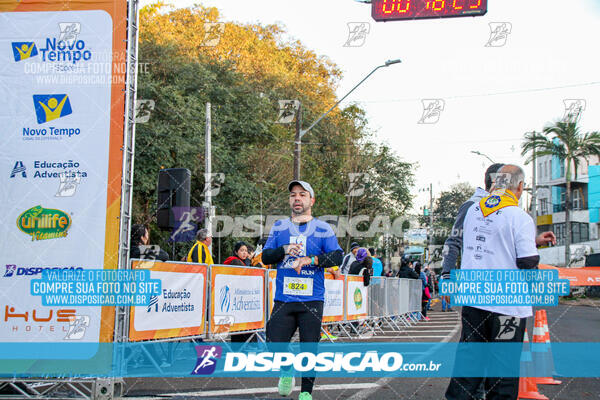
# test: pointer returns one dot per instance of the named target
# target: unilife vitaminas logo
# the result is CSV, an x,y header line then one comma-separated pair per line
x,y
44,223
358,299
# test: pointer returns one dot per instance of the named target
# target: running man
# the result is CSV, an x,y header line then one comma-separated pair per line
x,y
496,234
207,357
302,247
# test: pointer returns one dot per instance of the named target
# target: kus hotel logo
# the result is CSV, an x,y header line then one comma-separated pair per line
x,y
43,320
44,223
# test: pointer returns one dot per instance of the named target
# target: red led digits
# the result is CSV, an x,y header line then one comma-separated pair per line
x,y
396,5
474,6
406,6
385,4
394,10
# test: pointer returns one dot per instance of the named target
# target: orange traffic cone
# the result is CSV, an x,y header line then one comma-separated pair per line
x,y
527,386
543,336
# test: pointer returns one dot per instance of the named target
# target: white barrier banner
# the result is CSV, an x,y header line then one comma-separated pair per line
x,y
180,304
333,308
239,296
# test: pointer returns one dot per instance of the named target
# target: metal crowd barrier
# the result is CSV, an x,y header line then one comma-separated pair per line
x,y
391,304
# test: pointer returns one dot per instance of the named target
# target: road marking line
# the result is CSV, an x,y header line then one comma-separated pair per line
x,y
430,325
413,337
441,330
368,393
272,389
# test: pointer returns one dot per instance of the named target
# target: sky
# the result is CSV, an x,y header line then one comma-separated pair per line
x,y
491,95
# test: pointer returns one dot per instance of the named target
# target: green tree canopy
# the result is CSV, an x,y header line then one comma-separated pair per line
x,y
243,77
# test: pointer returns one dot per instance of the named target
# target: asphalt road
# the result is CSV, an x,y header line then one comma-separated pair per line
x,y
566,324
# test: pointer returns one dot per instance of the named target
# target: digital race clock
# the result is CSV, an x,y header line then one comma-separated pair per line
x,y
393,10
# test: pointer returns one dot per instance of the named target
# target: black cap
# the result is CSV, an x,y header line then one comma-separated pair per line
x,y
353,246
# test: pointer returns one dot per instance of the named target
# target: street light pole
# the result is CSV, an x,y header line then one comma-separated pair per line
x,y
298,142
431,206
534,190
208,171
483,155
302,132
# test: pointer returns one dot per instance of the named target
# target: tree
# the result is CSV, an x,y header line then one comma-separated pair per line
x,y
564,140
243,77
446,208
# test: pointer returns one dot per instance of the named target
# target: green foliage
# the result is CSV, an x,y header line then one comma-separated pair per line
x,y
253,152
445,210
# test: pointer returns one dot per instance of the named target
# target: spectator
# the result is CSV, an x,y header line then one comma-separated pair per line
x,y
406,270
430,285
511,244
377,265
140,248
239,257
240,254
424,288
362,266
200,252
248,260
446,304
349,258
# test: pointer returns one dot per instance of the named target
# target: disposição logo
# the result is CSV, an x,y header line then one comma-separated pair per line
x,y
44,223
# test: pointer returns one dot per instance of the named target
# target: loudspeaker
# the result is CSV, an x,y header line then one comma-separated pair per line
x,y
592,260
173,191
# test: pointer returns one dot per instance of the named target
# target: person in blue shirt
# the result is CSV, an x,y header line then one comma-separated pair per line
x,y
302,247
377,265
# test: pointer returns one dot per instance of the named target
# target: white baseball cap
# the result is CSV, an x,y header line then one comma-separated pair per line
x,y
305,185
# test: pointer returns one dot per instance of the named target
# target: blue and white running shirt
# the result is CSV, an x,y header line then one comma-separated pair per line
x,y
317,238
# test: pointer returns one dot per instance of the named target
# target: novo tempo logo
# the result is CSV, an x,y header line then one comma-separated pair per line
x,y
49,107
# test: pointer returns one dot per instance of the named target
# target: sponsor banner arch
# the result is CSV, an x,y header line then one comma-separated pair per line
x,y
61,161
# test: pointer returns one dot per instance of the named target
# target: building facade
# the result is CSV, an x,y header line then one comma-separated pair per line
x,y
585,201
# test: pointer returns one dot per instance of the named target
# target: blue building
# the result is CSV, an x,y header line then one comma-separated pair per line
x,y
585,201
